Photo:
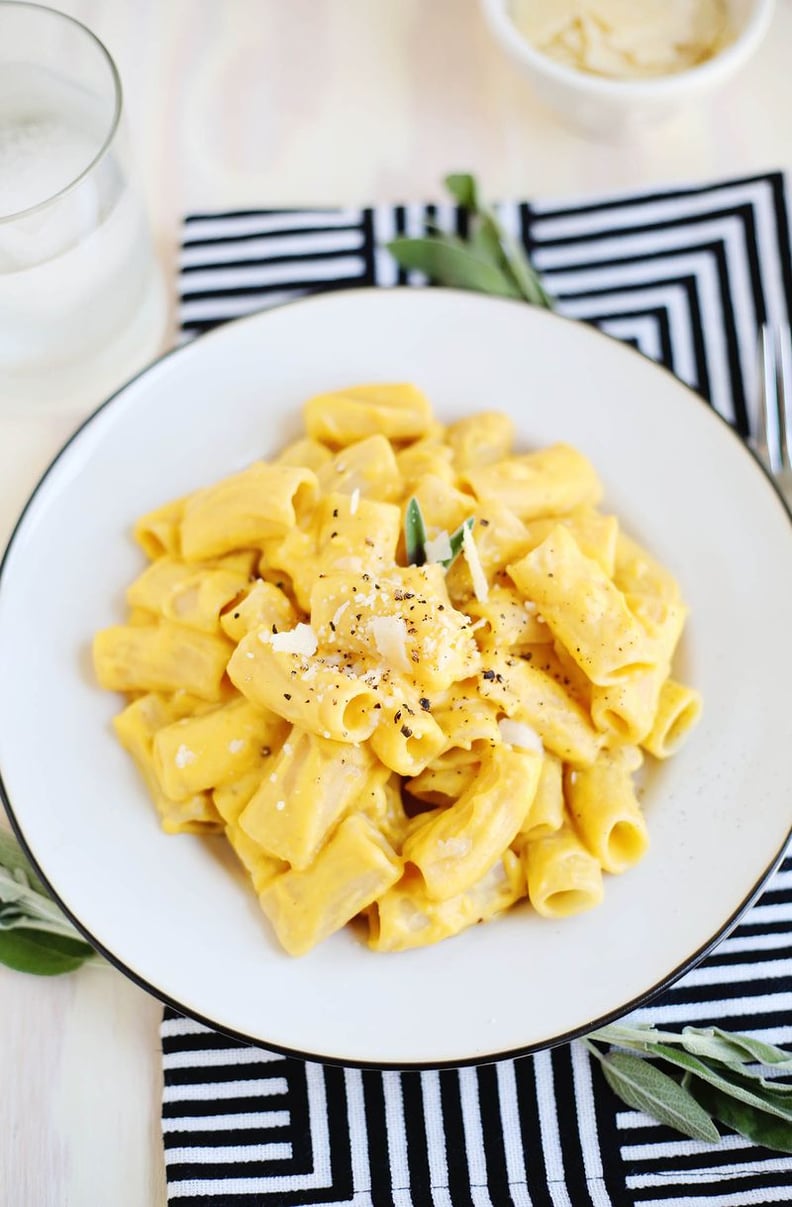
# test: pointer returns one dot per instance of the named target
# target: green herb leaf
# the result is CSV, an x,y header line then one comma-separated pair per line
x,y
646,1088
457,539
34,935
414,534
484,242
448,260
732,1047
757,1126
716,1072
14,859
488,261
463,188
526,278
748,1089
41,953
489,237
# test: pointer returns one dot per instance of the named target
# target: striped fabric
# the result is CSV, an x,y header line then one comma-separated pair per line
x,y
686,275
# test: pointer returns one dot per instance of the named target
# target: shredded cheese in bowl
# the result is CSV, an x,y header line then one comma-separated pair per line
x,y
625,39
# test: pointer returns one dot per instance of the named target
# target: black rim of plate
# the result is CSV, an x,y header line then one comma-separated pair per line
x,y
190,1012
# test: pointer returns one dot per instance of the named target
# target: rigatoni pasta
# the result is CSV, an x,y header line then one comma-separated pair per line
x,y
408,671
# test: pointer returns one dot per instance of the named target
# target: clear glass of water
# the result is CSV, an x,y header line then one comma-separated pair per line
x,y
82,299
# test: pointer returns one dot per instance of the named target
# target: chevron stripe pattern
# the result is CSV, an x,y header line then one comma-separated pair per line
x,y
686,276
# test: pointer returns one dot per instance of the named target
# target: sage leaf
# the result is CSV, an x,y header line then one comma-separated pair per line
x,y
747,1089
490,237
733,1047
526,278
644,1087
41,953
456,540
414,534
448,260
34,934
484,242
757,1126
14,859
463,188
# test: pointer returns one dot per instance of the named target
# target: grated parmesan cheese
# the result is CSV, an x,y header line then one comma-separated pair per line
x,y
480,588
184,756
236,745
299,640
390,638
354,501
339,612
516,733
439,549
280,804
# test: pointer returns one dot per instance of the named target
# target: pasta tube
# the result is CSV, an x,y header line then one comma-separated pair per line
x,y
583,608
455,847
604,809
135,728
406,916
428,457
446,778
481,439
549,482
262,606
187,594
536,699
626,710
305,690
356,535
311,785
678,709
158,532
368,467
407,737
354,868
244,509
382,804
398,412
563,877
404,619
509,623
205,751
231,797
161,657
595,534
261,867
546,814
306,454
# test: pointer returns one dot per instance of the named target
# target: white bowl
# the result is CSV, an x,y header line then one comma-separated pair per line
x,y
613,107
174,912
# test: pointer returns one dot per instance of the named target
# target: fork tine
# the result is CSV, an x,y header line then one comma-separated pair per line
x,y
768,443
784,378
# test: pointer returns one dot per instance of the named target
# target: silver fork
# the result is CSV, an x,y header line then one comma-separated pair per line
x,y
773,440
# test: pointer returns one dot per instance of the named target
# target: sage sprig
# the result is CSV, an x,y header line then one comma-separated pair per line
x,y
722,1077
488,260
414,534
457,540
34,934
416,538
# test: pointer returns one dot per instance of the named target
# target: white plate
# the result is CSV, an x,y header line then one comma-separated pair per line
x,y
170,911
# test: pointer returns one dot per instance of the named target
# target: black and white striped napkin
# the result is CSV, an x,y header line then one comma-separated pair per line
x,y
687,275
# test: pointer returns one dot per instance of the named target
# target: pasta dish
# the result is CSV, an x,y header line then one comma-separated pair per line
x,y
409,673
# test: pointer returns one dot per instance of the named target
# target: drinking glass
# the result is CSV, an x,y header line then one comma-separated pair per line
x,y
82,300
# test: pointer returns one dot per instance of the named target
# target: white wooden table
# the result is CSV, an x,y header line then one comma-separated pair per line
x,y
268,102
